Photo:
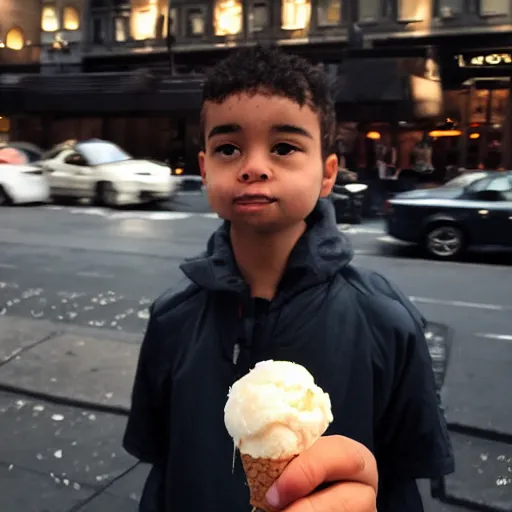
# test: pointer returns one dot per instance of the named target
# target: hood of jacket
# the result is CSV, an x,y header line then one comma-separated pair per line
x,y
318,255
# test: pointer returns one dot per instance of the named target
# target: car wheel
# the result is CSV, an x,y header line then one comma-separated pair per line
x,y
4,197
106,194
444,241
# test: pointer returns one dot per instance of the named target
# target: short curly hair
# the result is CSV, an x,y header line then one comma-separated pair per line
x,y
271,70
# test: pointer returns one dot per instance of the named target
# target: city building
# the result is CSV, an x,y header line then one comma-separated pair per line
x,y
62,23
19,45
131,72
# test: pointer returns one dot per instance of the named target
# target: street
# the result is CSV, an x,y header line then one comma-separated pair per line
x,y
83,277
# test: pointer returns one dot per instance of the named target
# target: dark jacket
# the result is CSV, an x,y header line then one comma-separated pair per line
x,y
360,338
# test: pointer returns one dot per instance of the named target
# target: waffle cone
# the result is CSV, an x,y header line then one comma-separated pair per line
x,y
261,474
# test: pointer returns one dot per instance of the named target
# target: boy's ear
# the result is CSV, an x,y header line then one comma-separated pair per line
x,y
330,173
201,159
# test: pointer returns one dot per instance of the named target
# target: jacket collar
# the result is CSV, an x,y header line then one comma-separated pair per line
x,y
319,254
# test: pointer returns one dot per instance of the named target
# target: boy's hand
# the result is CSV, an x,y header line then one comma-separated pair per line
x,y
346,465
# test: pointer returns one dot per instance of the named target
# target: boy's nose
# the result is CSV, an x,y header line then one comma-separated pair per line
x,y
253,176
253,172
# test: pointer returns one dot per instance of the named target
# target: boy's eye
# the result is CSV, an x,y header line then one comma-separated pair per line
x,y
228,150
284,149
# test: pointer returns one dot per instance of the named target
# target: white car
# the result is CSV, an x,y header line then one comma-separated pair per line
x,y
103,172
22,183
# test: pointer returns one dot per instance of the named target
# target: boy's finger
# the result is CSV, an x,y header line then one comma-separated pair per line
x,y
341,497
330,459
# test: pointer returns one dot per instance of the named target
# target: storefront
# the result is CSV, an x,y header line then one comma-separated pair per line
x,y
484,109
153,115
148,116
476,71
385,109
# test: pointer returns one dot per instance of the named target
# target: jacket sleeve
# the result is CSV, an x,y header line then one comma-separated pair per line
x,y
414,440
147,430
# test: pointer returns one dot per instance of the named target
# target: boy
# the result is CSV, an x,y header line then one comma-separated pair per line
x,y
276,283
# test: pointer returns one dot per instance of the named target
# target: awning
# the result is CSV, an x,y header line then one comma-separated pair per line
x,y
107,93
371,81
366,89
11,94
386,89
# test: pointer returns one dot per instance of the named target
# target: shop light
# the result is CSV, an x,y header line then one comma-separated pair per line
x,y
445,133
373,135
474,136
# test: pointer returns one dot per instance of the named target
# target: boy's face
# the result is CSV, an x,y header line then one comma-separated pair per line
x,y
262,163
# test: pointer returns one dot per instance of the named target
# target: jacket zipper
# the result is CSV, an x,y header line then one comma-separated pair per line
x,y
242,349
244,340
236,353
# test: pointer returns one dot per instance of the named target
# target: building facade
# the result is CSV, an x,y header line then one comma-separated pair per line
x,y
62,35
131,71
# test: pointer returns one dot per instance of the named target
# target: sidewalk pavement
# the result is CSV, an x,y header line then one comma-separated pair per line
x,y
64,397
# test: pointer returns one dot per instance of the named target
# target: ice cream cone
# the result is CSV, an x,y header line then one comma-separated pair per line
x,y
261,474
273,414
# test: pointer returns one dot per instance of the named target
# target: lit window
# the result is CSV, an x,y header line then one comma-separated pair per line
x,y
228,17
195,22
494,7
144,21
15,39
295,14
329,13
122,28
71,19
417,10
173,22
258,17
49,19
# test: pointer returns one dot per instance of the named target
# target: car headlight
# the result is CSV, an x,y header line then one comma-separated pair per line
x,y
354,188
178,171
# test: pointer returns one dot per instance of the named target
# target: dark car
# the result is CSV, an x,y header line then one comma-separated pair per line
x,y
474,209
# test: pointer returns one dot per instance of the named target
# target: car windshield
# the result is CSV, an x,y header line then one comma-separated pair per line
x,y
99,153
465,180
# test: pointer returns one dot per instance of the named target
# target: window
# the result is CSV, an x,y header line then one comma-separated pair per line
x,y
71,19
49,19
173,22
501,184
413,10
258,17
450,8
329,13
295,14
122,28
195,22
479,185
144,22
14,39
494,7
228,18
369,10
164,18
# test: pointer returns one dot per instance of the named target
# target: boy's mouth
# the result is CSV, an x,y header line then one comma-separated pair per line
x,y
254,199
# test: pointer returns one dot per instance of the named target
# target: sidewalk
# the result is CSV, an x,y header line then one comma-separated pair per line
x,y
64,396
